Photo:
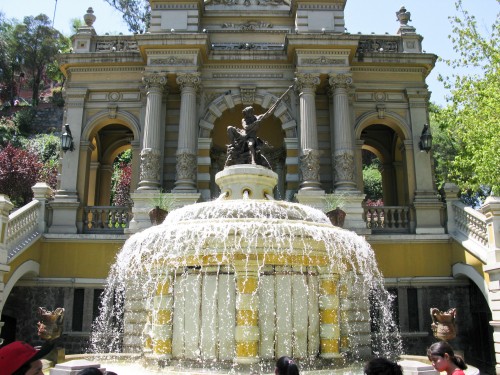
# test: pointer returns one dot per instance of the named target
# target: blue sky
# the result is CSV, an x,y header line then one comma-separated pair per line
x,y
429,17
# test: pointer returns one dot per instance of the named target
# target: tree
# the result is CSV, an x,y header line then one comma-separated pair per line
x,y
136,13
36,43
19,171
470,120
10,62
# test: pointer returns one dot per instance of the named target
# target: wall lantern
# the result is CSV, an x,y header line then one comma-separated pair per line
x,y
67,139
425,143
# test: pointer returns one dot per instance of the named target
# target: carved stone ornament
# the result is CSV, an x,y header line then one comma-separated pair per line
x,y
112,110
343,80
155,79
150,165
51,323
377,45
309,165
186,166
306,81
247,95
344,167
443,324
188,80
172,60
323,61
403,16
272,2
248,26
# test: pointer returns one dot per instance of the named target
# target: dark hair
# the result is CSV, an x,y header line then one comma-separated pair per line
x,y
382,366
287,366
23,369
89,371
441,348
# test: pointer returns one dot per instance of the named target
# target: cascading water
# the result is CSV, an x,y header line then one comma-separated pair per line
x,y
243,280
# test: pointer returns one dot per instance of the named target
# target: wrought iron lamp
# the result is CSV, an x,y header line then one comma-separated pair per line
x,y
425,143
67,139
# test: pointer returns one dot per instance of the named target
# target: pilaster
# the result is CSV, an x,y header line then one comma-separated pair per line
x,y
5,207
329,308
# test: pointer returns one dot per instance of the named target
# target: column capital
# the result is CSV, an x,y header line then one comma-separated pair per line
x,y
191,79
154,79
307,81
340,80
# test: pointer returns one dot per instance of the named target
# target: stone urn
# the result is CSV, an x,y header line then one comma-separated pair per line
x,y
51,323
443,324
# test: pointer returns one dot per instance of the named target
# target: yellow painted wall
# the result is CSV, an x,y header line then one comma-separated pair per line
x,y
422,259
91,259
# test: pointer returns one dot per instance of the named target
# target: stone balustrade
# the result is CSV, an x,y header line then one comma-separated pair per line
x,y
470,223
106,219
23,227
388,218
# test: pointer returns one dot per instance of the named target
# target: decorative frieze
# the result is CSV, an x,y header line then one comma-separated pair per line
x,y
248,75
378,45
171,60
323,60
248,46
248,26
104,44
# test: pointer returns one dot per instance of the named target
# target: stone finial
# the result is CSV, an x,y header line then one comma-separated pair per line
x,y
403,16
89,17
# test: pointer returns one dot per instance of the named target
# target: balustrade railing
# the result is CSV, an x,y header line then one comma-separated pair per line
x,y
106,219
388,218
470,223
22,228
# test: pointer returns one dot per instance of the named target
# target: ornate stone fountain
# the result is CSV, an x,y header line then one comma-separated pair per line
x,y
243,280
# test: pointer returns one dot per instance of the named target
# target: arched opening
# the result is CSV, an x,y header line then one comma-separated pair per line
x,y
270,131
385,176
106,143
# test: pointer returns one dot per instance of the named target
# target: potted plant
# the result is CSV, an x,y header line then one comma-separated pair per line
x,y
334,204
162,203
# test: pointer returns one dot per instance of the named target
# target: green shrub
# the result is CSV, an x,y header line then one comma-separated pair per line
x,y
24,120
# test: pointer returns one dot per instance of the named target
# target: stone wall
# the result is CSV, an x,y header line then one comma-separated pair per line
x,y
48,119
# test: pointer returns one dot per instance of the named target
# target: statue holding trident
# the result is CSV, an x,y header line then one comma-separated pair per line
x,y
245,146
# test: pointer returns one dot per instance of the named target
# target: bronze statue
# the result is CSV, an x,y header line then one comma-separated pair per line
x,y
245,147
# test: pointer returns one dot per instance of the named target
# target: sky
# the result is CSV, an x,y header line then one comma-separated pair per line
x,y
429,17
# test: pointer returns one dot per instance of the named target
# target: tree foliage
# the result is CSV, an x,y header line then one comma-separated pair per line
x,y
19,171
469,123
135,13
34,44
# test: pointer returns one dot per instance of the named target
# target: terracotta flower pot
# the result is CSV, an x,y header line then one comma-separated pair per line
x,y
157,215
337,217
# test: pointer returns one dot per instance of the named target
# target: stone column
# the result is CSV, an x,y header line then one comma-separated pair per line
x,y
343,146
309,149
247,314
329,315
105,177
186,167
153,132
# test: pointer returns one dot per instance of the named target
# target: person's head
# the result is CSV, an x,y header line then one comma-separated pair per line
x,y
90,371
248,111
382,366
286,366
20,358
441,355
